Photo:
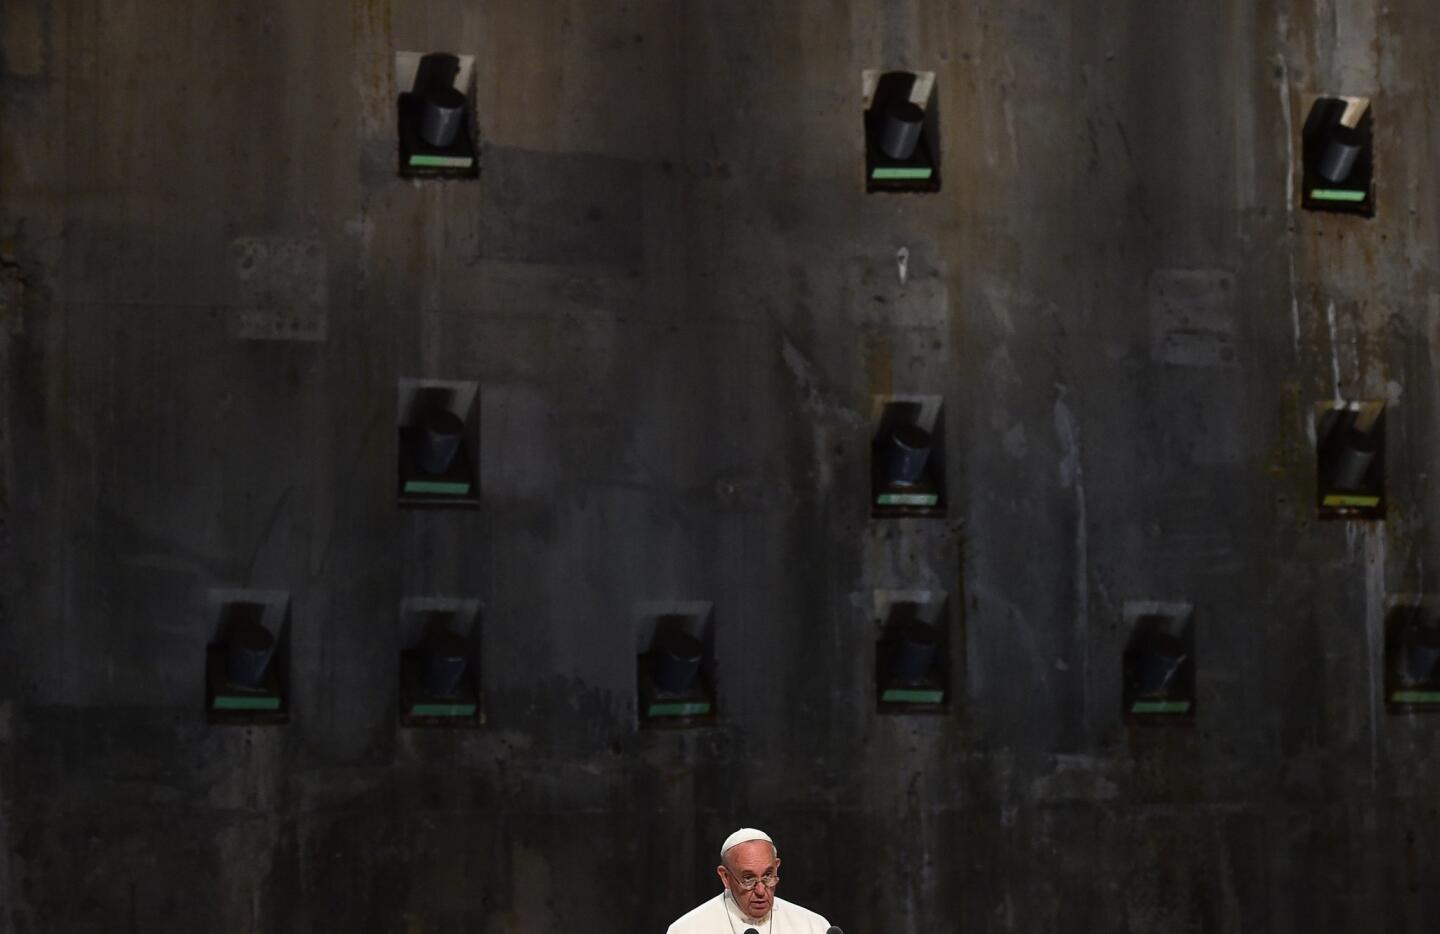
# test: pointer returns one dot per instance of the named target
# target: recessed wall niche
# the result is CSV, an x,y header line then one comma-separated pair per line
x,y
1350,460
1159,662
907,456
902,131
1338,154
1412,654
247,658
435,115
440,681
912,651
438,429
675,674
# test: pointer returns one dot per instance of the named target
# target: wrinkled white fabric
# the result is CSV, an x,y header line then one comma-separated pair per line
x,y
720,915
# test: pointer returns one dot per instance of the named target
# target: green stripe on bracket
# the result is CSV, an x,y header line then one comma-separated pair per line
x,y
442,710
1336,194
240,702
907,499
913,695
1345,499
1160,706
442,162
1415,697
679,709
899,174
451,488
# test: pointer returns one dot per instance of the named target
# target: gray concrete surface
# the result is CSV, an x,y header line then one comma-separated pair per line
x,y
678,304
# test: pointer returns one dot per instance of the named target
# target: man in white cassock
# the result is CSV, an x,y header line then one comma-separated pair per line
x,y
749,870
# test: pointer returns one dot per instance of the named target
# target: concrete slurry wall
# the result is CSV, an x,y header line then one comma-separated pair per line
x,y
679,308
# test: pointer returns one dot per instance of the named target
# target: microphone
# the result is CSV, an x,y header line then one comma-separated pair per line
x,y
751,931
834,930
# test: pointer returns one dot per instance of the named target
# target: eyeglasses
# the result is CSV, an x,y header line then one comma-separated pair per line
x,y
769,880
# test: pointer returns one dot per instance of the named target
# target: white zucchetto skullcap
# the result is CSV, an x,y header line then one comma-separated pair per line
x,y
744,835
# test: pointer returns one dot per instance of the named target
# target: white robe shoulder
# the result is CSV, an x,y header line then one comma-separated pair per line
x,y
713,916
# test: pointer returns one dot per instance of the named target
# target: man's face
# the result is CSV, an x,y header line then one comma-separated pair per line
x,y
746,863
